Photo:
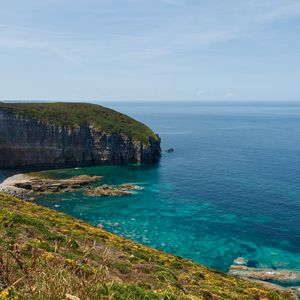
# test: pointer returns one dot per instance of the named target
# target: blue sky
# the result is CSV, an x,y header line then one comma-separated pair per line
x,y
114,50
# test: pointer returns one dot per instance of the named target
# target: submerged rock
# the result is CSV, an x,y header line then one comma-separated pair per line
x,y
253,263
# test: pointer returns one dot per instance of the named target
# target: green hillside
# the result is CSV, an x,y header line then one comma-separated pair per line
x,y
48,255
77,114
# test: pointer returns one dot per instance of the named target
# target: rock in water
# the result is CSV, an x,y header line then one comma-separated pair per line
x,y
106,190
52,135
265,274
28,187
39,184
129,186
170,150
241,261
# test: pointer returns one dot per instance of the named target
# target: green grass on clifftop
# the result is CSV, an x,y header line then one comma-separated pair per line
x,y
77,114
47,255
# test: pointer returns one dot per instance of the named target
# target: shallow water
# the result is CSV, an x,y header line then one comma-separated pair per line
x,y
230,189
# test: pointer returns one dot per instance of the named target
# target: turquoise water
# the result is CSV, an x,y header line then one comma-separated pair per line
x,y
230,189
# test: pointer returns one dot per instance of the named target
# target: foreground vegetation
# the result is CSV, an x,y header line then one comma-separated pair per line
x,y
48,255
77,114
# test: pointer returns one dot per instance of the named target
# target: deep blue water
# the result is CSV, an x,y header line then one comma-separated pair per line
x,y
230,189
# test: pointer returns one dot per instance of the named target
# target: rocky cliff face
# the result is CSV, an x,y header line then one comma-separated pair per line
x,y
29,143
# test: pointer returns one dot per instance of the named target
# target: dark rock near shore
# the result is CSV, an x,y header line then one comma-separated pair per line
x,y
170,150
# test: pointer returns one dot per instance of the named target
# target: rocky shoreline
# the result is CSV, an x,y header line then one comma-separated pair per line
x,y
28,187
267,276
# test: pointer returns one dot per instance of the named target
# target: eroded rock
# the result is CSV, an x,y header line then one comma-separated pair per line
x,y
38,184
28,187
106,190
265,274
129,186
241,261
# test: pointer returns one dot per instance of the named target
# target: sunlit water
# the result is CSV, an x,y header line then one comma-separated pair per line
x,y
231,188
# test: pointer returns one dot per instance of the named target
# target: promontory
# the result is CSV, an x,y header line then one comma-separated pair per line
x,y
61,134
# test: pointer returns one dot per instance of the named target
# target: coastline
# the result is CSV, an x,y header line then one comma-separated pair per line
x,y
19,177
7,186
237,270
145,271
32,185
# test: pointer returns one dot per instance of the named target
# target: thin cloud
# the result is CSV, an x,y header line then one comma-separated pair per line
x,y
230,95
171,34
199,92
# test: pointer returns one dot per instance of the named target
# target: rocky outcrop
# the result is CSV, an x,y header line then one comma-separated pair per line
x,y
106,190
45,185
271,278
265,274
30,143
28,187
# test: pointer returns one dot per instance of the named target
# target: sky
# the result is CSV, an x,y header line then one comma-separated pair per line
x,y
150,50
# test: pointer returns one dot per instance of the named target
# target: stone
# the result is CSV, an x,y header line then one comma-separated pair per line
x,y
129,186
105,191
170,150
40,184
28,187
265,274
240,261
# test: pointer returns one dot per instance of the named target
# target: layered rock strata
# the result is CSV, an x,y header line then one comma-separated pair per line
x,y
29,143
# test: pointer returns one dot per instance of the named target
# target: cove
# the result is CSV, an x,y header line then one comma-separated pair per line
x,y
230,189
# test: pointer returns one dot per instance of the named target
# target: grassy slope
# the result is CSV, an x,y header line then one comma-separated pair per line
x,y
76,114
45,254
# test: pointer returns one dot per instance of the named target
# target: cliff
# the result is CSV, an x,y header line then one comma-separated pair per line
x,y
45,255
52,135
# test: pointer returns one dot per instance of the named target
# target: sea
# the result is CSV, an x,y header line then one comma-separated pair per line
x,y
230,189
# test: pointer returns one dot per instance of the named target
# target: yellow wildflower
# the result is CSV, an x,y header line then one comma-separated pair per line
x,y
71,262
8,294
48,256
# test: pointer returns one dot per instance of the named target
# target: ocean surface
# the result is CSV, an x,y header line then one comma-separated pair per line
x,y
231,188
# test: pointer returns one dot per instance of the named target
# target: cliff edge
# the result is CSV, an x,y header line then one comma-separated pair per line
x,y
53,135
